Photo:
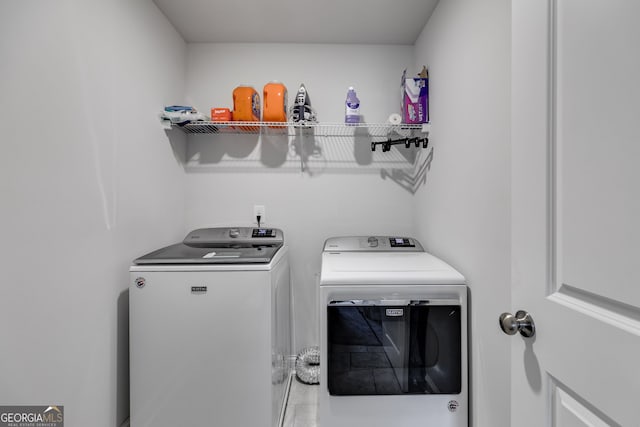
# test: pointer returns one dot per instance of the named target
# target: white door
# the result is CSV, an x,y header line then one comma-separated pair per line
x,y
576,212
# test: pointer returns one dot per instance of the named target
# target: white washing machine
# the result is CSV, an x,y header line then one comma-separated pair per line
x,y
210,330
393,336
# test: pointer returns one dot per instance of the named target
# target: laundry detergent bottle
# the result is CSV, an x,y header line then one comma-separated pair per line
x,y
246,107
352,108
246,104
275,102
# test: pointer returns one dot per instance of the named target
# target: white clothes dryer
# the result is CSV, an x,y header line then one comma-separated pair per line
x,y
210,330
393,336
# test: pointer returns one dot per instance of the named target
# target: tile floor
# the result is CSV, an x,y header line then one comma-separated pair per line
x,y
302,405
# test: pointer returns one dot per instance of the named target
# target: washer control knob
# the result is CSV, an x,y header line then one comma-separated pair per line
x,y
234,232
373,242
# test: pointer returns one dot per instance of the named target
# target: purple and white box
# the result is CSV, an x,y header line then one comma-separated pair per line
x,y
415,98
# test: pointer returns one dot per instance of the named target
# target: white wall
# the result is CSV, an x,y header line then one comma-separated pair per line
x,y
341,198
86,186
463,213
327,70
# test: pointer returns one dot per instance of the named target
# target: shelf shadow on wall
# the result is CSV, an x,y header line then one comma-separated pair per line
x,y
231,146
178,141
305,152
362,153
274,150
411,180
307,148
239,152
321,153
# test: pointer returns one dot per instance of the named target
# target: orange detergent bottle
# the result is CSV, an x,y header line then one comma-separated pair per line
x,y
275,102
246,106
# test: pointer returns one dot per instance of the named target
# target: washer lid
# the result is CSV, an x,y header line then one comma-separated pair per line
x,y
372,244
235,245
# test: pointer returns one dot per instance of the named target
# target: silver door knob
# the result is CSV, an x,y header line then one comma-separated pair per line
x,y
522,322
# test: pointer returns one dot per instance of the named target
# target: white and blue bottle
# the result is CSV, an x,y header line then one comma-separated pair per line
x,y
352,108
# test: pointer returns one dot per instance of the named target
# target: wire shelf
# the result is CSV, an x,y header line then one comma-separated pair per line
x,y
367,130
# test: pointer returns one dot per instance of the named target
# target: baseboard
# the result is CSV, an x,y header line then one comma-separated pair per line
x,y
283,408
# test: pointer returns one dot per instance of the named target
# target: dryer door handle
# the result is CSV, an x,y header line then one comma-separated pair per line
x,y
372,303
393,302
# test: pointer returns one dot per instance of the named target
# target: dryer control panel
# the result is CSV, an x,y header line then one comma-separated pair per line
x,y
372,244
